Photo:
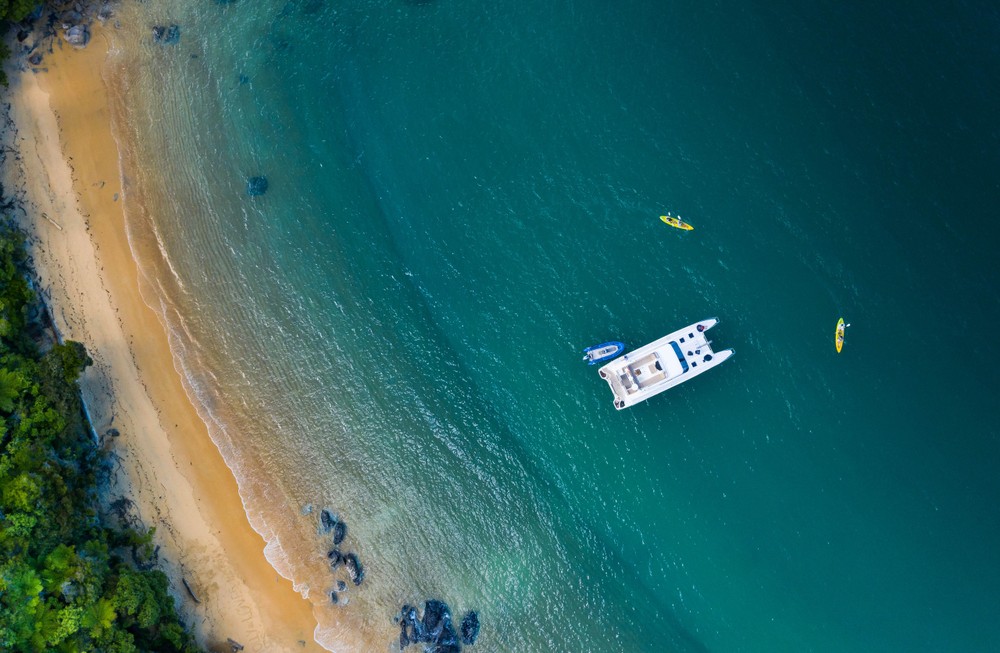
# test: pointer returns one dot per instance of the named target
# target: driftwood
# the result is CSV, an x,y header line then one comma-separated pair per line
x,y
190,591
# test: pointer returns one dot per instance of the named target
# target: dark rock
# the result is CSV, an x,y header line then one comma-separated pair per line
x,y
434,612
334,598
22,34
112,432
404,639
409,618
256,186
167,34
70,18
35,59
341,586
326,518
445,636
354,568
470,627
77,35
339,532
335,558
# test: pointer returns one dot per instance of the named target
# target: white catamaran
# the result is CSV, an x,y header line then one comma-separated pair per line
x,y
662,364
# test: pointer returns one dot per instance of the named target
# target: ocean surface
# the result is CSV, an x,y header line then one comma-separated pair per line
x,y
462,196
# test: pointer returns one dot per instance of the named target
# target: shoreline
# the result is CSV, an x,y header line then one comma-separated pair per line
x,y
67,179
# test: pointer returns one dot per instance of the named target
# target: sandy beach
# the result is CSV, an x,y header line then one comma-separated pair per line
x,y
66,175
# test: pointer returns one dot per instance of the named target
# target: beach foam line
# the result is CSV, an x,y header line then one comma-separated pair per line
x,y
171,468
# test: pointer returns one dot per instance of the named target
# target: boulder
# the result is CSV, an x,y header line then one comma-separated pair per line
x,y
470,627
326,518
334,598
35,59
70,18
256,186
434,612
339,532
77,35
341,586
354,568
335,558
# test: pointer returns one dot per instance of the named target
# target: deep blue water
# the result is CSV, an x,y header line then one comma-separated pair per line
x,y
462,197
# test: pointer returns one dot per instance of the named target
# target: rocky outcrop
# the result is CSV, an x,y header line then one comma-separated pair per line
x,y
435,629
78,36
354,568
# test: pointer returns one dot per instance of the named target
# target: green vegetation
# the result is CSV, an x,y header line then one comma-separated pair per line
x,y
65,580
15,10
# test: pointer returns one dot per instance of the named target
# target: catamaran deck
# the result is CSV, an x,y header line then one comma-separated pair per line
x,y
662,364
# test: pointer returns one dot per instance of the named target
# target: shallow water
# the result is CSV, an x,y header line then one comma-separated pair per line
x,y
462,198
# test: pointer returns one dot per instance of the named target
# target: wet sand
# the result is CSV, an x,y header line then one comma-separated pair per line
x,y
66,174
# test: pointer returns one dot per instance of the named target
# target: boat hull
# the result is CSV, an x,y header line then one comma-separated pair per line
x,y
663,364
676,223
602,352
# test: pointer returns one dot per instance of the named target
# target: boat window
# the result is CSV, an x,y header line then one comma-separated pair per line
x,y
680,356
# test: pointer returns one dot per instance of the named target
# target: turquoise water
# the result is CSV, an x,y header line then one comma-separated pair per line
x,y
463,197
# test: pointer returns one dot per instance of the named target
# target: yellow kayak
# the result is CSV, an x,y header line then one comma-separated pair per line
x,y
676,222
839,339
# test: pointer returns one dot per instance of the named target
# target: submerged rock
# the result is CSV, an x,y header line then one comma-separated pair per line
x,y
326,518
339,532
341,586
335,558
354,568
435,628
470,627
334,598
167,34
256,186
